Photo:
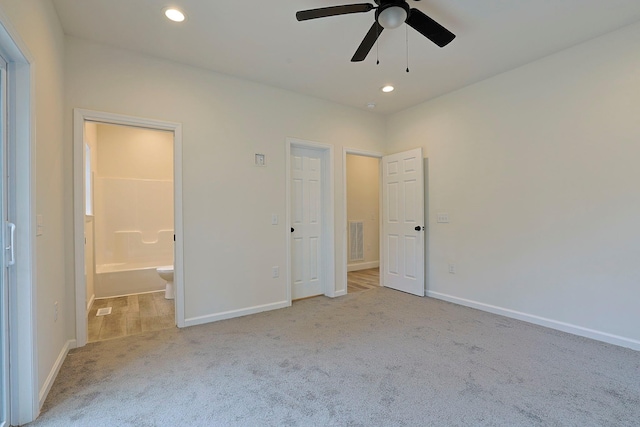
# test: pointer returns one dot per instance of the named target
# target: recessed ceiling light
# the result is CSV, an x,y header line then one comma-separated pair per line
x,y
174,14
388,89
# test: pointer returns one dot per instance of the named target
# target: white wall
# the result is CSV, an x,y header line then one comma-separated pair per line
x,y
538,170
363,204
230,244
37,24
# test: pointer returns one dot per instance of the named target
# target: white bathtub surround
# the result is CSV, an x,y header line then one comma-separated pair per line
x,y
131,247
119,279
134,221
134,234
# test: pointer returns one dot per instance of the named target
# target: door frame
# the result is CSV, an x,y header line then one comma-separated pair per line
x,y
328,213
364,153
23,360
80,116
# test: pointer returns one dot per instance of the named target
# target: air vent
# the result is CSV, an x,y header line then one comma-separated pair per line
x,y
104,311
356,241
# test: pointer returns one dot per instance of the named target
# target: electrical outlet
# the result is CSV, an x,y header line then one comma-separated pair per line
x,y
452,269
55,311
275,272
274,219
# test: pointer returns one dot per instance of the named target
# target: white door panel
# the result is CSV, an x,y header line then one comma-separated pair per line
x,y
306,221
403,221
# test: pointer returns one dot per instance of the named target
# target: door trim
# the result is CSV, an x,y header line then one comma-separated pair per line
x,y
345,262
328,213
79,118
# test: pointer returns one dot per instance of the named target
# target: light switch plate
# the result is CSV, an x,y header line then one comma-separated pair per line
x,y
39,225
443,217
274,219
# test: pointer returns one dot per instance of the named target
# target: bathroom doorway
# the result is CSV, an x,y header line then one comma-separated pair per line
x,y
127,225
362,194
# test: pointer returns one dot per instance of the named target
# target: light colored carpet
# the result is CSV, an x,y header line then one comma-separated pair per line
x,y
375,358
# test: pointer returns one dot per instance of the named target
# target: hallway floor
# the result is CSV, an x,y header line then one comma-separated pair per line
x,y
363,280
131,315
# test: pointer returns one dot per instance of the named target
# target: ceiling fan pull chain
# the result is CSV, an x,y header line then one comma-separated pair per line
x,y
407,32
377,44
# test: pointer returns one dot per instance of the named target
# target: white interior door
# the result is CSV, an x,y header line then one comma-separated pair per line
x,y
403,235
306,222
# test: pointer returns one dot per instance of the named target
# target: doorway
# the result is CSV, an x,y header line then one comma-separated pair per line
x,y
128,229
121,227
402,228
363,222
310,219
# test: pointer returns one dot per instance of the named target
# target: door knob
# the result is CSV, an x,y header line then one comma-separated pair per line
x,y
293,229
418,228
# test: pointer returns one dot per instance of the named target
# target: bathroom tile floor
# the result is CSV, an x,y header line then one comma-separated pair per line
x,y
131,315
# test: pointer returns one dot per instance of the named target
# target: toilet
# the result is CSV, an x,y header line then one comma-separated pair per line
x,y
166,273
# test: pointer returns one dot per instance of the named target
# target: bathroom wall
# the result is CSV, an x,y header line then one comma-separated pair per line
x,y
363,204
91,139
134,197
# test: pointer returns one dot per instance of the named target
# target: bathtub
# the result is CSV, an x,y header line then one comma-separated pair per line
x,y
113,280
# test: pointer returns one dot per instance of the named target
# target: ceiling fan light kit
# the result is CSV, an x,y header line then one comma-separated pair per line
x,y
389,14
392,17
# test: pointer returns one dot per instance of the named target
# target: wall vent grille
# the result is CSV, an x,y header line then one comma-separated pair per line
x,y
356,241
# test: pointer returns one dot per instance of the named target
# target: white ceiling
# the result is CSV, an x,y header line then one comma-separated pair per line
x,y
261,40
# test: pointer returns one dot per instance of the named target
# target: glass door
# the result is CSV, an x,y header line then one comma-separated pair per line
x,y
7,239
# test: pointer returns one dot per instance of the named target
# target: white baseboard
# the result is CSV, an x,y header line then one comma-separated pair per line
x,y
542,321
90,303
363,265
193,321
340,293
46,387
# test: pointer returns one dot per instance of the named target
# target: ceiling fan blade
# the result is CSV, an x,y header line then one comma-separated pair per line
x,y
368,42
304,15
430,28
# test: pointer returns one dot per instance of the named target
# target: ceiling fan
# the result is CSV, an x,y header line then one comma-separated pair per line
x,y
389,14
